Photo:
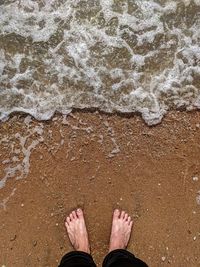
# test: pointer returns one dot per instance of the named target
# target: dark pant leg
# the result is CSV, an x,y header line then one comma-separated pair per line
x,y
122,258
77,259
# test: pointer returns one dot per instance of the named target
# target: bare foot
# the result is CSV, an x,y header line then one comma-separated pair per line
x,y
77,232
121,230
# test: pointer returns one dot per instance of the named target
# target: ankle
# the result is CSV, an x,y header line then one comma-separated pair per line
x,y
84,249
114,247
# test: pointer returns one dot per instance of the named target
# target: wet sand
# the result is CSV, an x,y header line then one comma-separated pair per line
x,y
100,162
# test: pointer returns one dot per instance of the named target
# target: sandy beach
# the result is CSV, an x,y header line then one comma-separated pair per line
x,y
98,61
99,162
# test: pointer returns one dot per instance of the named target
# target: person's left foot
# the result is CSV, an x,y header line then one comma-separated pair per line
x,y
121,230
77,232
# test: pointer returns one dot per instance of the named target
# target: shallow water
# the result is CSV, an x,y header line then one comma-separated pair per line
x,y
114,55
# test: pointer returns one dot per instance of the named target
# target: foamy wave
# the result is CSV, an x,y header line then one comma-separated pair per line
x,y
125,56
18,166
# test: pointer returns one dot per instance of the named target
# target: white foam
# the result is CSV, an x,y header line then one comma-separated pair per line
x,y
18,167
102,54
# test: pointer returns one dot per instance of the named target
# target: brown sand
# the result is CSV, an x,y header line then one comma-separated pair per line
x,y
151,177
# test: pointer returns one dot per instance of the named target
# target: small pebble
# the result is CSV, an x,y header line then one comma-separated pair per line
x,y
189,232
195,178
62,142
163,258
198,199
194,238
13,238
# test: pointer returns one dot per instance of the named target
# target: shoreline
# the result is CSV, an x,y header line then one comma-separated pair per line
x,y
136,115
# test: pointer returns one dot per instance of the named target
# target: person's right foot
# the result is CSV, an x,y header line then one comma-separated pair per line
x,y
121,230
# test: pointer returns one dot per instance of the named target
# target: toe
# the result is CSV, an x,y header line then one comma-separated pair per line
x,y
116,214
74,214
79,213
71,216
122,214
66,224
126,216
131,224
68,220
129,219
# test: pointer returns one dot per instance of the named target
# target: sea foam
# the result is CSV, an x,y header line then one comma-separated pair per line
x,y
117,56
